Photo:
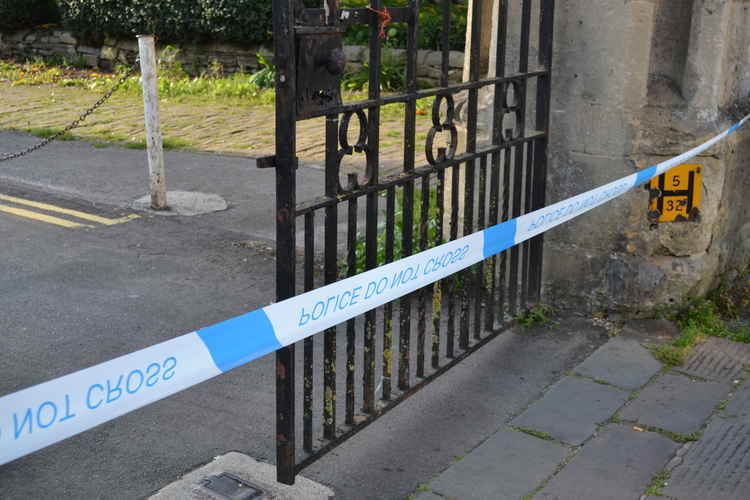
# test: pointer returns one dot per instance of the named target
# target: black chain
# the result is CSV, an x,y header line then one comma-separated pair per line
x,y
78,121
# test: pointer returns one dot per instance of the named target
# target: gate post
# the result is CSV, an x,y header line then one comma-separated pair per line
x,y
286,82
539,195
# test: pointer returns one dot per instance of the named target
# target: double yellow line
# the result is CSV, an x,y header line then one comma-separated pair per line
x,y
57,221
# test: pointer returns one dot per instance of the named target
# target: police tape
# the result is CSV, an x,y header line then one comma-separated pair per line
x,y
40,416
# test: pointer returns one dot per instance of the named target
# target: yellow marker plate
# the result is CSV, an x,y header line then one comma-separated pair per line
x,y
676,195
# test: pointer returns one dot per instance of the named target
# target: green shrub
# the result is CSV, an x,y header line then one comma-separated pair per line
x,y
392,76
19,14
243,22
360,252
238,21
430,26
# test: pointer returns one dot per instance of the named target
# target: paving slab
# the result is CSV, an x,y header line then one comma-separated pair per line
x,y
716,466
506,466
739,405
676,403
617,464
621,362
718,359
256,474
571,409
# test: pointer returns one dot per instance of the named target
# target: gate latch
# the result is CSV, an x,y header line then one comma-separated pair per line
x,y
270,162
320,66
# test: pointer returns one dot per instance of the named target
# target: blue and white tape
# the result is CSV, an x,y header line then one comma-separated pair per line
x,y
47,413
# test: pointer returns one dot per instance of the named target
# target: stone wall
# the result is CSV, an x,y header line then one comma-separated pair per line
x,y
52,42
637,83
634,83
199,58
429,63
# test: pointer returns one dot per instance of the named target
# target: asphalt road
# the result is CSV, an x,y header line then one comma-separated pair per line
x,y
71,298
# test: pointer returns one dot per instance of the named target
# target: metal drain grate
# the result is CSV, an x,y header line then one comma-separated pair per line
x,y
229,487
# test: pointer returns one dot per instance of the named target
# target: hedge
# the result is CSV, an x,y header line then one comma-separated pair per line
x,y
20,14
243,22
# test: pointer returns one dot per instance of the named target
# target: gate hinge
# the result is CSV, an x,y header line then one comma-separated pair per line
x,y
270,162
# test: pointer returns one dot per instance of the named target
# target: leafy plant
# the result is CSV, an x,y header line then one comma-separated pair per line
x,y
266,77
398,232
391,75
169,66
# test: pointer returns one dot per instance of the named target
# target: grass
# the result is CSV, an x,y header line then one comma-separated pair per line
x,y
47,132
670,355
174,82
168,143
732,299
210,112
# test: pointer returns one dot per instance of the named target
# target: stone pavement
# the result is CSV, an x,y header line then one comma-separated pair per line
x,y
621,426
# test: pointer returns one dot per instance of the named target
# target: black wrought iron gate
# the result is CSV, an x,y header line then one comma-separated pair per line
x,y
465,184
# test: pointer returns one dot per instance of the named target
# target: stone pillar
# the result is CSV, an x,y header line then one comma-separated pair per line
x,y
600,83
485,36
635,83
488,24
704,79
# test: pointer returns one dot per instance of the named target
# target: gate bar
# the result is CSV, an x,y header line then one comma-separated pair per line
x,y
286,201
544,85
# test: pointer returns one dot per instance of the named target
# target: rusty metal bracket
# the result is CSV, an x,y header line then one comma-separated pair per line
x,y
320,66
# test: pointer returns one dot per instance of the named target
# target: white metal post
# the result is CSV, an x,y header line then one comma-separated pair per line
x,y
158,187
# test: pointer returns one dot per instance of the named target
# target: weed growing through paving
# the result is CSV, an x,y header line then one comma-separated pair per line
x,y
674,436
670,355
701,319
658,481
537,315
532,432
